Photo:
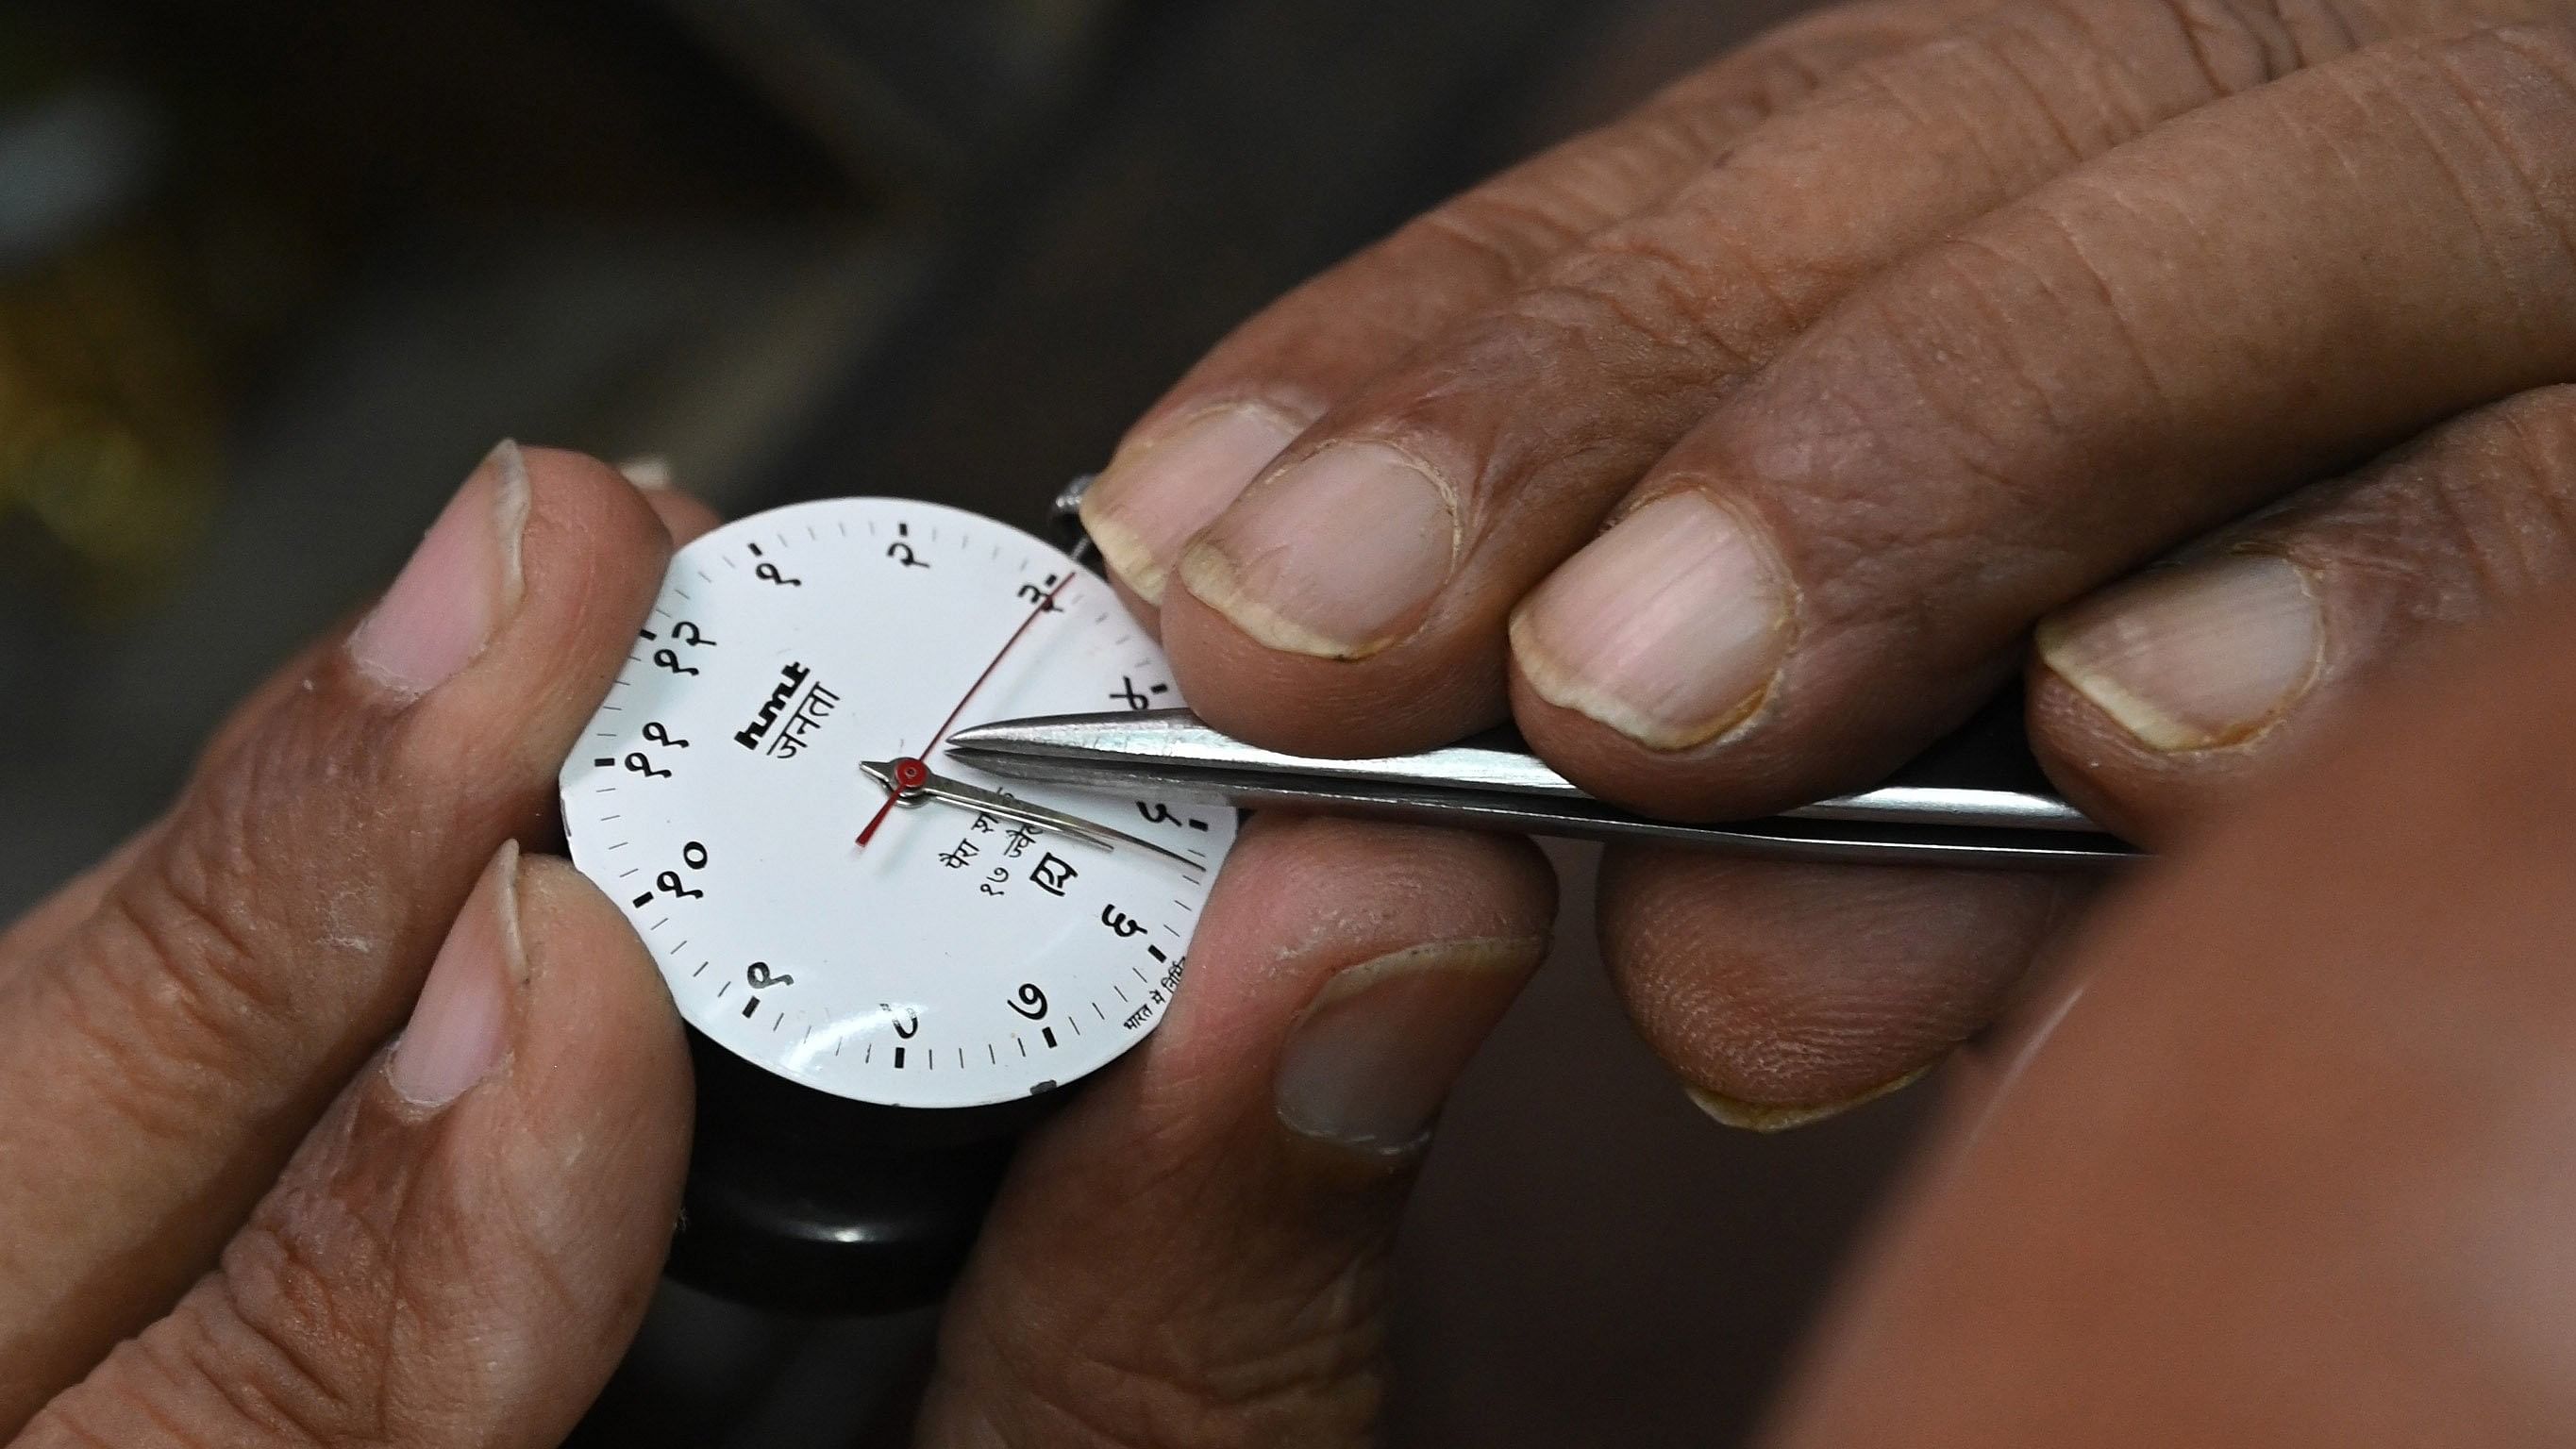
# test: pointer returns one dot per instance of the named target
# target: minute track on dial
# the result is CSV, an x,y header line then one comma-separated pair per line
x,y
713,795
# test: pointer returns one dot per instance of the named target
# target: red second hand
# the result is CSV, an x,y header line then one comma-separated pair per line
x,y
895,794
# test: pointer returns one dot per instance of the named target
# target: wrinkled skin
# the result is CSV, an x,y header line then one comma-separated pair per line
x,y
1908,330
233,1219
2272,1161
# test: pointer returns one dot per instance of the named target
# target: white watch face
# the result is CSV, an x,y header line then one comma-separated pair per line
x,y
957,958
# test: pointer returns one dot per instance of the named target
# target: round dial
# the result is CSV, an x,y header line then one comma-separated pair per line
x,y
958,957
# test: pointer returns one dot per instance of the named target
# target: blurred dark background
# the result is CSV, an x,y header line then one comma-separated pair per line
x,y
273,275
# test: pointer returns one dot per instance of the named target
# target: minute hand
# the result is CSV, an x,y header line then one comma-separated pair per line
x,y
993,802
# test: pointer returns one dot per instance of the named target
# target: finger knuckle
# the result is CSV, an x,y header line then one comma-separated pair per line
x,y
2236,45
272,1350
2537,430
2041,85
2494,110
2049,260
189,936
1306,1372
1729,983
1774,1040
1684,311
170,982
2519,83
2495,494
297,1331
190,964
1494,236
1596,179
1918,387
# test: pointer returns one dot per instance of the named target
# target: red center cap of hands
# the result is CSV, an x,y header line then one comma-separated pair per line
x,y
910,774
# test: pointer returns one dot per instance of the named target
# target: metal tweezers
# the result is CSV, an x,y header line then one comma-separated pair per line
x,y
1977,799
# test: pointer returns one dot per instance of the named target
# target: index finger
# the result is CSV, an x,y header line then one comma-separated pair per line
x,y
1843,560
1194,450
1354,599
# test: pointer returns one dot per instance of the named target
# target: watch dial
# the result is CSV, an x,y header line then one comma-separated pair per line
x,y
958,958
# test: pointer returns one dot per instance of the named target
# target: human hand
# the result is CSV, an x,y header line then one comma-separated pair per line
x,y
236,1215
1906,332
2282,1161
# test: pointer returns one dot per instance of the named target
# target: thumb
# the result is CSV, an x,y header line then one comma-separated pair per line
x,y
460,1250
1196,1251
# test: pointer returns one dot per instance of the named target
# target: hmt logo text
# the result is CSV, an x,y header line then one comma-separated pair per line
x,y
790,680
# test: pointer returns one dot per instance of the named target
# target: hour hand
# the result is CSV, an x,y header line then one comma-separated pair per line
x,y
909,780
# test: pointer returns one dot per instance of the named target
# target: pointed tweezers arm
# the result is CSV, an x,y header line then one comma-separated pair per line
x,y
1495,784
936,786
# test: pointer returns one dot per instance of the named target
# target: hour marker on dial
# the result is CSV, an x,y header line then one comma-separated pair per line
x,y
788,702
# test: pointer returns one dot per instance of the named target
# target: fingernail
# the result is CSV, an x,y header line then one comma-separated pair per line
x,y
1154,497
652,472
1668,628
1369,1063
1335,556
463,1017
461,584
2195,656
1778,1117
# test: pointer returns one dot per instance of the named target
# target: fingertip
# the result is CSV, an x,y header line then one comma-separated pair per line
x,y
2208,654
2101,769
1338,553
1670,627
464,583
463,1018
593,1079
596,1086
1429,691
1177,473
2143,795
1653,667
2154,699
1769,1117
584,490
1785,993
682,515
1385,1002
1304,897
592,558
607,1011
1737,775
1368,1064
581,1141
